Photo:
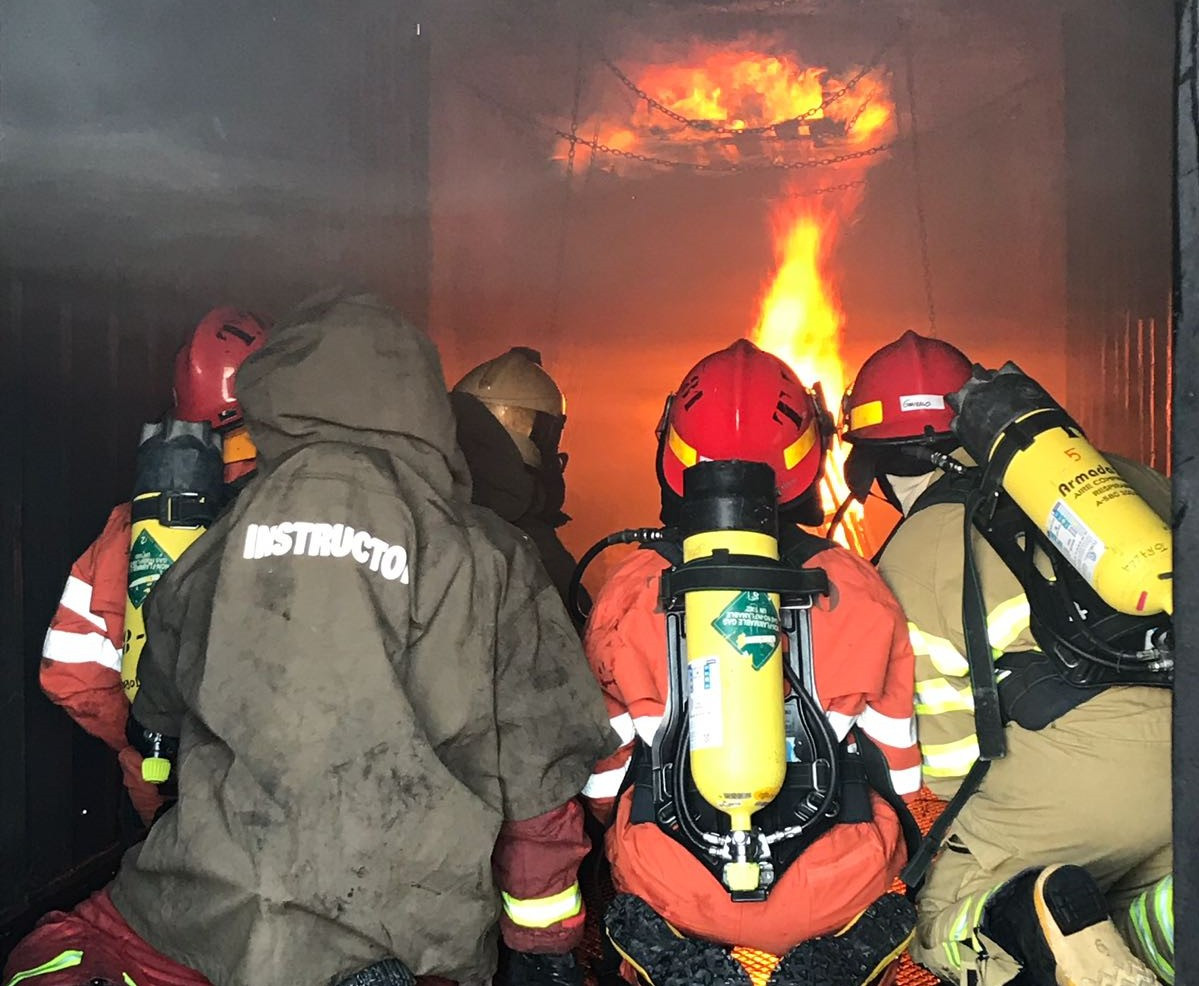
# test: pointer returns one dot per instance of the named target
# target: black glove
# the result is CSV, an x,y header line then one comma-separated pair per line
x,y
526,969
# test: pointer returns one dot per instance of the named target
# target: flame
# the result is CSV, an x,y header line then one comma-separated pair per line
x,y
800,322
738,86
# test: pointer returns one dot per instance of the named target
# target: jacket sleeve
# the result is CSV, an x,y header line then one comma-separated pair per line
x,y
870,686
625,644
158,706
536,865
550,715
81,655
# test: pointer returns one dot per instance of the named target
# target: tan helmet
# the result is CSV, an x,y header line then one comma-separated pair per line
x,y
522,397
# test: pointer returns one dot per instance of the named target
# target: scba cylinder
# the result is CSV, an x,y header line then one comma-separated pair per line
x,y
177,491
734,649
1099,523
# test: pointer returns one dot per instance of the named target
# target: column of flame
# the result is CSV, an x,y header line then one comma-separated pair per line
x,y
800,322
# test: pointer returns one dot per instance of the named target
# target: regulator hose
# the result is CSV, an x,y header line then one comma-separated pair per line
x,y
634,535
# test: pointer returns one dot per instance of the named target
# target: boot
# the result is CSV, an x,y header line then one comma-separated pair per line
x,y
527,969
663,957
389,972
1055,922
858,954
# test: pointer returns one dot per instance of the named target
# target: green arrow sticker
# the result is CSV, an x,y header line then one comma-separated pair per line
x,y
147,562
750,624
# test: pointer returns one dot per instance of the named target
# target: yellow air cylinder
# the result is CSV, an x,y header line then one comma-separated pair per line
x,y
177,491
1099,523
734,653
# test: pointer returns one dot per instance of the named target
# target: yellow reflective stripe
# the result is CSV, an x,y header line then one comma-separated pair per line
x,y
541,912
945,657
67,960
950,759
686,454
865,415
1007,621
795,452
128,979
953,955
937,695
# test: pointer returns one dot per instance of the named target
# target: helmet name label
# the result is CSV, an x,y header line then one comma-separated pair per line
x,y
750,624
922,402
318,540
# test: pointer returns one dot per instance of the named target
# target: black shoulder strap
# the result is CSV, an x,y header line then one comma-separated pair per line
x,y
919,862
797,547
878,776
672,551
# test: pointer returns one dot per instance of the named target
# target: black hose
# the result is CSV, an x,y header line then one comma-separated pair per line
x,y
634,535
820,721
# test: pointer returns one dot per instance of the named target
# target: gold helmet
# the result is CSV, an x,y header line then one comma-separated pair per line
x,y
523,398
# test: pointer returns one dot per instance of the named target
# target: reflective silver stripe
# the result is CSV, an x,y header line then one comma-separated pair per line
x,y
622,726
907,780
81,648
887,729
605,784
841,723
647,727
77,597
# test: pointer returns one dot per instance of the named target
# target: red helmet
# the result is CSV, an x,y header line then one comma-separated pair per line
x,y
207,363
742,403
899,394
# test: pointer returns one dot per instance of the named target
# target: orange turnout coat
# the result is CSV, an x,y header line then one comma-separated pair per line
x,y
864,677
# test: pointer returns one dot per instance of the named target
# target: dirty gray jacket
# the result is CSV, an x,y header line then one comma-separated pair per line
x,y
367,675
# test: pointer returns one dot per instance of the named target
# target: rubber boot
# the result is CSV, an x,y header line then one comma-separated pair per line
x,y
528,969
663,957
389,972
858,954
1055,922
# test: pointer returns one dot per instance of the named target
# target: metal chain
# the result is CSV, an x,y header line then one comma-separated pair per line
x,y
844,186
602,148
568,193
921,217
710,126
599,147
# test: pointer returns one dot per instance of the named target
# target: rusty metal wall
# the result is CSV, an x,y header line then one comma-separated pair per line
x,y
1119,62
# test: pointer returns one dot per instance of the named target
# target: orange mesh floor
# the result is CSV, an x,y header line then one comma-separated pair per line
x,y
926,807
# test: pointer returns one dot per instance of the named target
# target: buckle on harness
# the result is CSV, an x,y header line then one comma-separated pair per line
x,y
184,510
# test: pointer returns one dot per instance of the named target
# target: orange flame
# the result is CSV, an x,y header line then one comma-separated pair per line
x,y
747,85
800,322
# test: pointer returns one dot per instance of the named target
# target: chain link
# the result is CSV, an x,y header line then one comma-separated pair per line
x,y
710,126
921,217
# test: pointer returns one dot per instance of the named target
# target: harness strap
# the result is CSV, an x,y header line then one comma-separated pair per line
x,y
918,863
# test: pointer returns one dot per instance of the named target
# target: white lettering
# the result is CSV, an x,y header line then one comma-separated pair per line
x,y
282,544
342,538
318,547
303,529
377,553
395,564
361,540
319,540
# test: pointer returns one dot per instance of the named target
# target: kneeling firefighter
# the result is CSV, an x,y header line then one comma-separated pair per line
x,y
1035,575
761,679
510,416
87,641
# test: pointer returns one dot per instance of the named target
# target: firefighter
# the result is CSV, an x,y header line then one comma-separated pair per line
x,y
81,656
743,404
1073,824
374,686
510,416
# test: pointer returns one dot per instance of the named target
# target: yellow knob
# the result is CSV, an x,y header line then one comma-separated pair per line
x,y
742,876
156,770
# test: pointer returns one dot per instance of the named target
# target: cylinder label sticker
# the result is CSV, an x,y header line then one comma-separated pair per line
x,y
750,623
1071,536
704,718
147,562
